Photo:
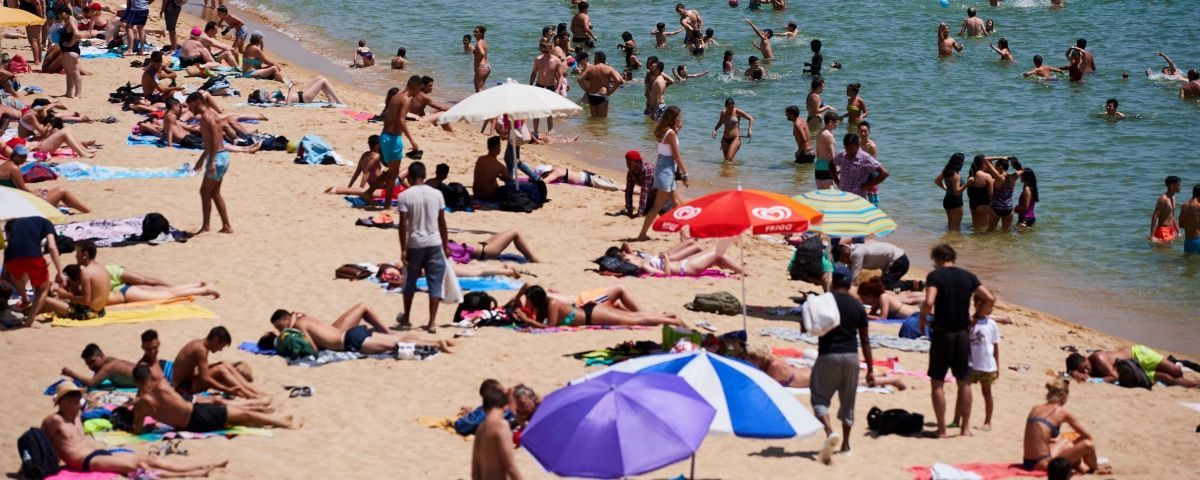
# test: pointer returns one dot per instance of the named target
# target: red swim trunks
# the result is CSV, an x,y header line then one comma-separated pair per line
x,y
34,267
1166,234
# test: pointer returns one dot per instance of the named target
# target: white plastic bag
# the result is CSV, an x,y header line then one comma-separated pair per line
x,y
821,314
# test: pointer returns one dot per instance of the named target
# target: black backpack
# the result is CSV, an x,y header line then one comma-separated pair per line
x,y
518,202
1131,375
617,265
38,458
457,197
896,420
473,302
64,243
153,225
806,261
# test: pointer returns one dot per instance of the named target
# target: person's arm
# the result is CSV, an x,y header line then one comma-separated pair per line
x,y
864,338
139,416
994,49
674,33
1154,217
404,125
673,140
883,175
1070,419
940,181
996,355
833,169
856,266
205,375
507,462
360,168
200,161
720,117
526,319
442,231
1029,73
1170,64
629,186
926,307
402,227
52,246
958,47
750,125
1102,369
758,32
962,30
96,379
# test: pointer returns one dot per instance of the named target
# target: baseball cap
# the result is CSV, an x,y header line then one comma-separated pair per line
x,y
841,276
633,156
95,7
20,149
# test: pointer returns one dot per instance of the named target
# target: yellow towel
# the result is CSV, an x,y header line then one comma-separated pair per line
x,y
140,313
444,424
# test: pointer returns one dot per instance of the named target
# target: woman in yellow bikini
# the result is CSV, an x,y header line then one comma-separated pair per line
x,y
856,107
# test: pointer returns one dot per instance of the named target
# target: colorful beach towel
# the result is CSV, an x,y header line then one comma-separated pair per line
x,y
861,389
119,438
79,171
302,105
140,312
326,357
709,273
985,471
66,474
468,284
153,141
878,340
115,232
580,328
90,52
358,116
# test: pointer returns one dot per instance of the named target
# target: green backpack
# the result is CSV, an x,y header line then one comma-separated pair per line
x,y
723,303
292,344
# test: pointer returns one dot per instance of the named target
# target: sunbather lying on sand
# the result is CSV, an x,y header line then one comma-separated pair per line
x,y
393,276
492,247
347,334
157,399
522,403
1102,364
65,429
561,174
683,260
602,306
794,376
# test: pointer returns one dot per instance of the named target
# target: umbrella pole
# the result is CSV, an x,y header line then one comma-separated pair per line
x,y
693,475
742,254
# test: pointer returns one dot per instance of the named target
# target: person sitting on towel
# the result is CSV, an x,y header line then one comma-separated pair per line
x,y
347,334
159,400
191,373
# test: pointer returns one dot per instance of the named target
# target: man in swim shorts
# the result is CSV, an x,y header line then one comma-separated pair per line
x,y
391,144
23,259
1102,364
346,334
581,28
826,145
135,19
215,160
88,286
1189,220
805,151
656,89
598,82
157,399
1163,227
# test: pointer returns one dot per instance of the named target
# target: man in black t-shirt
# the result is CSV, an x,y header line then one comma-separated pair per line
x,y
948,292
24,260
836,369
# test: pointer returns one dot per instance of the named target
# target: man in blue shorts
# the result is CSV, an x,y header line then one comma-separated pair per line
x,y
1189,221
215,160
391,144
136,13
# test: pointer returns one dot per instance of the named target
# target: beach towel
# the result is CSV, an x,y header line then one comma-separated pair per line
x,y
120,438
313,150
861,389
985,471
91,51
709,273
580,328
302,105
138,313
326,357
443,423
153,141
878,340
358,116
467,284
115,232
79,171
65,474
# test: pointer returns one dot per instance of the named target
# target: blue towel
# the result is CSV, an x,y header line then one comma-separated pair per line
x,y
358,202
90,55
252,347
315,149
470,284
908,327
77,171
151,140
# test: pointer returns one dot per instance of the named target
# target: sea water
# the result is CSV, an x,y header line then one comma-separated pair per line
x,y
1087,259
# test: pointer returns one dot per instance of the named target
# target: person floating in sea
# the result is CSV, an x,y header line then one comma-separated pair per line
x,y
947,45
1110,109
1171,71
1163,227
731,119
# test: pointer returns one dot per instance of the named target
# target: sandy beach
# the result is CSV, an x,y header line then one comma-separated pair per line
x,y
361,421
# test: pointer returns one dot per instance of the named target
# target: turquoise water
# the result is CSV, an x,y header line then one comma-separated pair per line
x,y
1087,260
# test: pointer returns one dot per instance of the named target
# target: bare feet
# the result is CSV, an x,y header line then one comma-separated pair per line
x,y
826,453
447,346
431,328
642,238
226,229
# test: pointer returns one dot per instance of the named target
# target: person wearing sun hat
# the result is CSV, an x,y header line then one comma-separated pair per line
x,y
64,427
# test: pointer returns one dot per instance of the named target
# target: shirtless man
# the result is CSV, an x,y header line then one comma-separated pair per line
x,y
233,23
660,34
756,70
192,52
600,81
391,145
1163,227
1039,70
1189,220
826,149
346,334
157,399
656,90
151,74
480,58
65,429
175,131
118,372
215,160
548,72
87,289
225,53
424,99
150,346
805,151
192,373
581,28
1191,89
690,20
1087,62
1110,109
947,45
1102,364
731,138
492,452
764,43
972,26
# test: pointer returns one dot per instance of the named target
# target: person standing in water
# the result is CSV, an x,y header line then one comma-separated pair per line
x,y
1191,89
656,89
1163,227
599,81
1087,62
950,180
670,163
805,151
814,65
972,26
946,45
731,140
826,147
979,193
1189,220
548,72
856,107
764,43
1001,48
816,108
1026,216
480,52
581,28
1003,184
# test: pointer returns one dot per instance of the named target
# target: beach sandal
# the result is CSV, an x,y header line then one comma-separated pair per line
x,y
109,120
1069,348
300,392
826,453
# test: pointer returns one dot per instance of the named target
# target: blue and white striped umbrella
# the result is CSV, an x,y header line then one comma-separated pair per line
x,y
749,403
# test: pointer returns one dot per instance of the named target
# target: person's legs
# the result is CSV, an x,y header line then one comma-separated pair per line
x,y
620,297
226,373
435,271
34,34
938,393
988,404
239,416
682,250
168,468
734,146
120,463
894,272
603,314
61,194
954,218
1080,452
206,196
320,85
61,137
1171,373
495,245
219,201
660,199
847,388
1007,223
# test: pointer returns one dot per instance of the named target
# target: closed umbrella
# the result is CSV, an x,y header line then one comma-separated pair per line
x,y
517,100
616,425
847,214
16,203
749,403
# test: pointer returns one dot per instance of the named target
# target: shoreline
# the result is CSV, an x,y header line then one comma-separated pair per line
x,y
596,155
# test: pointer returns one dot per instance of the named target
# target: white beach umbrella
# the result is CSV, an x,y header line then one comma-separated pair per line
x,y
16,203
517,100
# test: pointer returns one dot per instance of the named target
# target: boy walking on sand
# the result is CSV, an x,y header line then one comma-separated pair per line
x,y
985,366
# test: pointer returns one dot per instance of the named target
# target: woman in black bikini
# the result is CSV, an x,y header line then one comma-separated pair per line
x,y
950,180
603,306
491,248
731,140
1003,185
1042,429
68,42
979,193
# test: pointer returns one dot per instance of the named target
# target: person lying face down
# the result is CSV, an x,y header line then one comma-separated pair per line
x,y
347,333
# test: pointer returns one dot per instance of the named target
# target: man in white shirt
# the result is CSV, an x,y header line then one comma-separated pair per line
x,y
423,247
874,256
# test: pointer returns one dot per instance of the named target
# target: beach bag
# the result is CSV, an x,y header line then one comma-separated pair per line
x,y
351,271
1131,375
474,302
39,172
895,421
291,344
154,225
18,65
820,314
214,83
516,201
723,303
456,195
806,260
617,265
38,458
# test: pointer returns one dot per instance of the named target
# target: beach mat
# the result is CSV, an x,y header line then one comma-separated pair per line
x,y
986,471
878,340
66,474
141,312
326,357
581,328
119,438
861,389
152,141
117,232
301,105
467,284
79,171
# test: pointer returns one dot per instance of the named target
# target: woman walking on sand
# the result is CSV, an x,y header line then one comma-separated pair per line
x,y
950,180
670,163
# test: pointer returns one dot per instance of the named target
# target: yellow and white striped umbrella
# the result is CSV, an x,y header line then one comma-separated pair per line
x,y
846,214
19,203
